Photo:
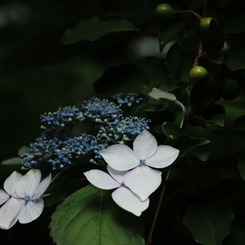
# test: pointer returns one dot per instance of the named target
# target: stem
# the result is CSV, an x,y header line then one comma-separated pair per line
x,y
200,48
183,110
187,12
158,207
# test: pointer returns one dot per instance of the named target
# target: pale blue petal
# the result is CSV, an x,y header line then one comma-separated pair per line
x,y
3,197
164,156
143,181
31,211
120,157
9,213
129,201
28,183
117,175
144,145
41,188
11,183
101,179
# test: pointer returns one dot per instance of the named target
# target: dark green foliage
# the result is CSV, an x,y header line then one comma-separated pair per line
x,y
61,52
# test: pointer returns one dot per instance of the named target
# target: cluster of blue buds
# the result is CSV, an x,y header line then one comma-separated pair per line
x,y
66,139
61,117
129,100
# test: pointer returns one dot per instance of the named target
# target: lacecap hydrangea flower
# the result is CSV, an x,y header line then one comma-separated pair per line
x,y
22,198
122,196
137,166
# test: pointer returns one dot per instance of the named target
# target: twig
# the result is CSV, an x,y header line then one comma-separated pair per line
x,y
158,207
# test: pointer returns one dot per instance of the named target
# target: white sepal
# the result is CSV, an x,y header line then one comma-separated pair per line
x,y
3,197
164,156
129,201
101,179
41,188
31,211
9,212
144,145
120,157
143,181
28,183
11,183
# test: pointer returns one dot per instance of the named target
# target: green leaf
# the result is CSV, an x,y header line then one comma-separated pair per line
x,y
234,59
241,167
202,95
238,124
237,233
169,32
173,61
234,20
171,130
202,152
213,41
89,216
227,167
190,143
95,28
215,119
208,224
121,79
190,41
156,71
216,58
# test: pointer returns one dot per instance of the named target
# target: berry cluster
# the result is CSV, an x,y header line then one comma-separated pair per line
x,y
63,142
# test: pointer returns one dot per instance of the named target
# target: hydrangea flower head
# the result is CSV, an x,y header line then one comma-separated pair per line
x,y
142,179
12,205
23,198
122,196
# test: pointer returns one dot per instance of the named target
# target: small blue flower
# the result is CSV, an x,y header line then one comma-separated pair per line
x,y
130,99
61,118
100,109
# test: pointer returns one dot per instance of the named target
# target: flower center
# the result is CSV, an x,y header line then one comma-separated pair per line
x,y
27,199
142,162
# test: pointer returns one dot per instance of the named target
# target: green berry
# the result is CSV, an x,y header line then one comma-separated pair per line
x,y
197,73
164,12
230,89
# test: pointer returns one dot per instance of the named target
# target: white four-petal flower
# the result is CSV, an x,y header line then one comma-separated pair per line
x,y
31,190
142,179
23,200
122,196
12,206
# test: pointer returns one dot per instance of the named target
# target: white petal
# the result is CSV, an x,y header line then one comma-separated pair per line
x,y
11,183
9,213
164,156
31,211
120,157
158,94
117,175
101,179
28,183
145,145
129,201
3,197
143,181
41,188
